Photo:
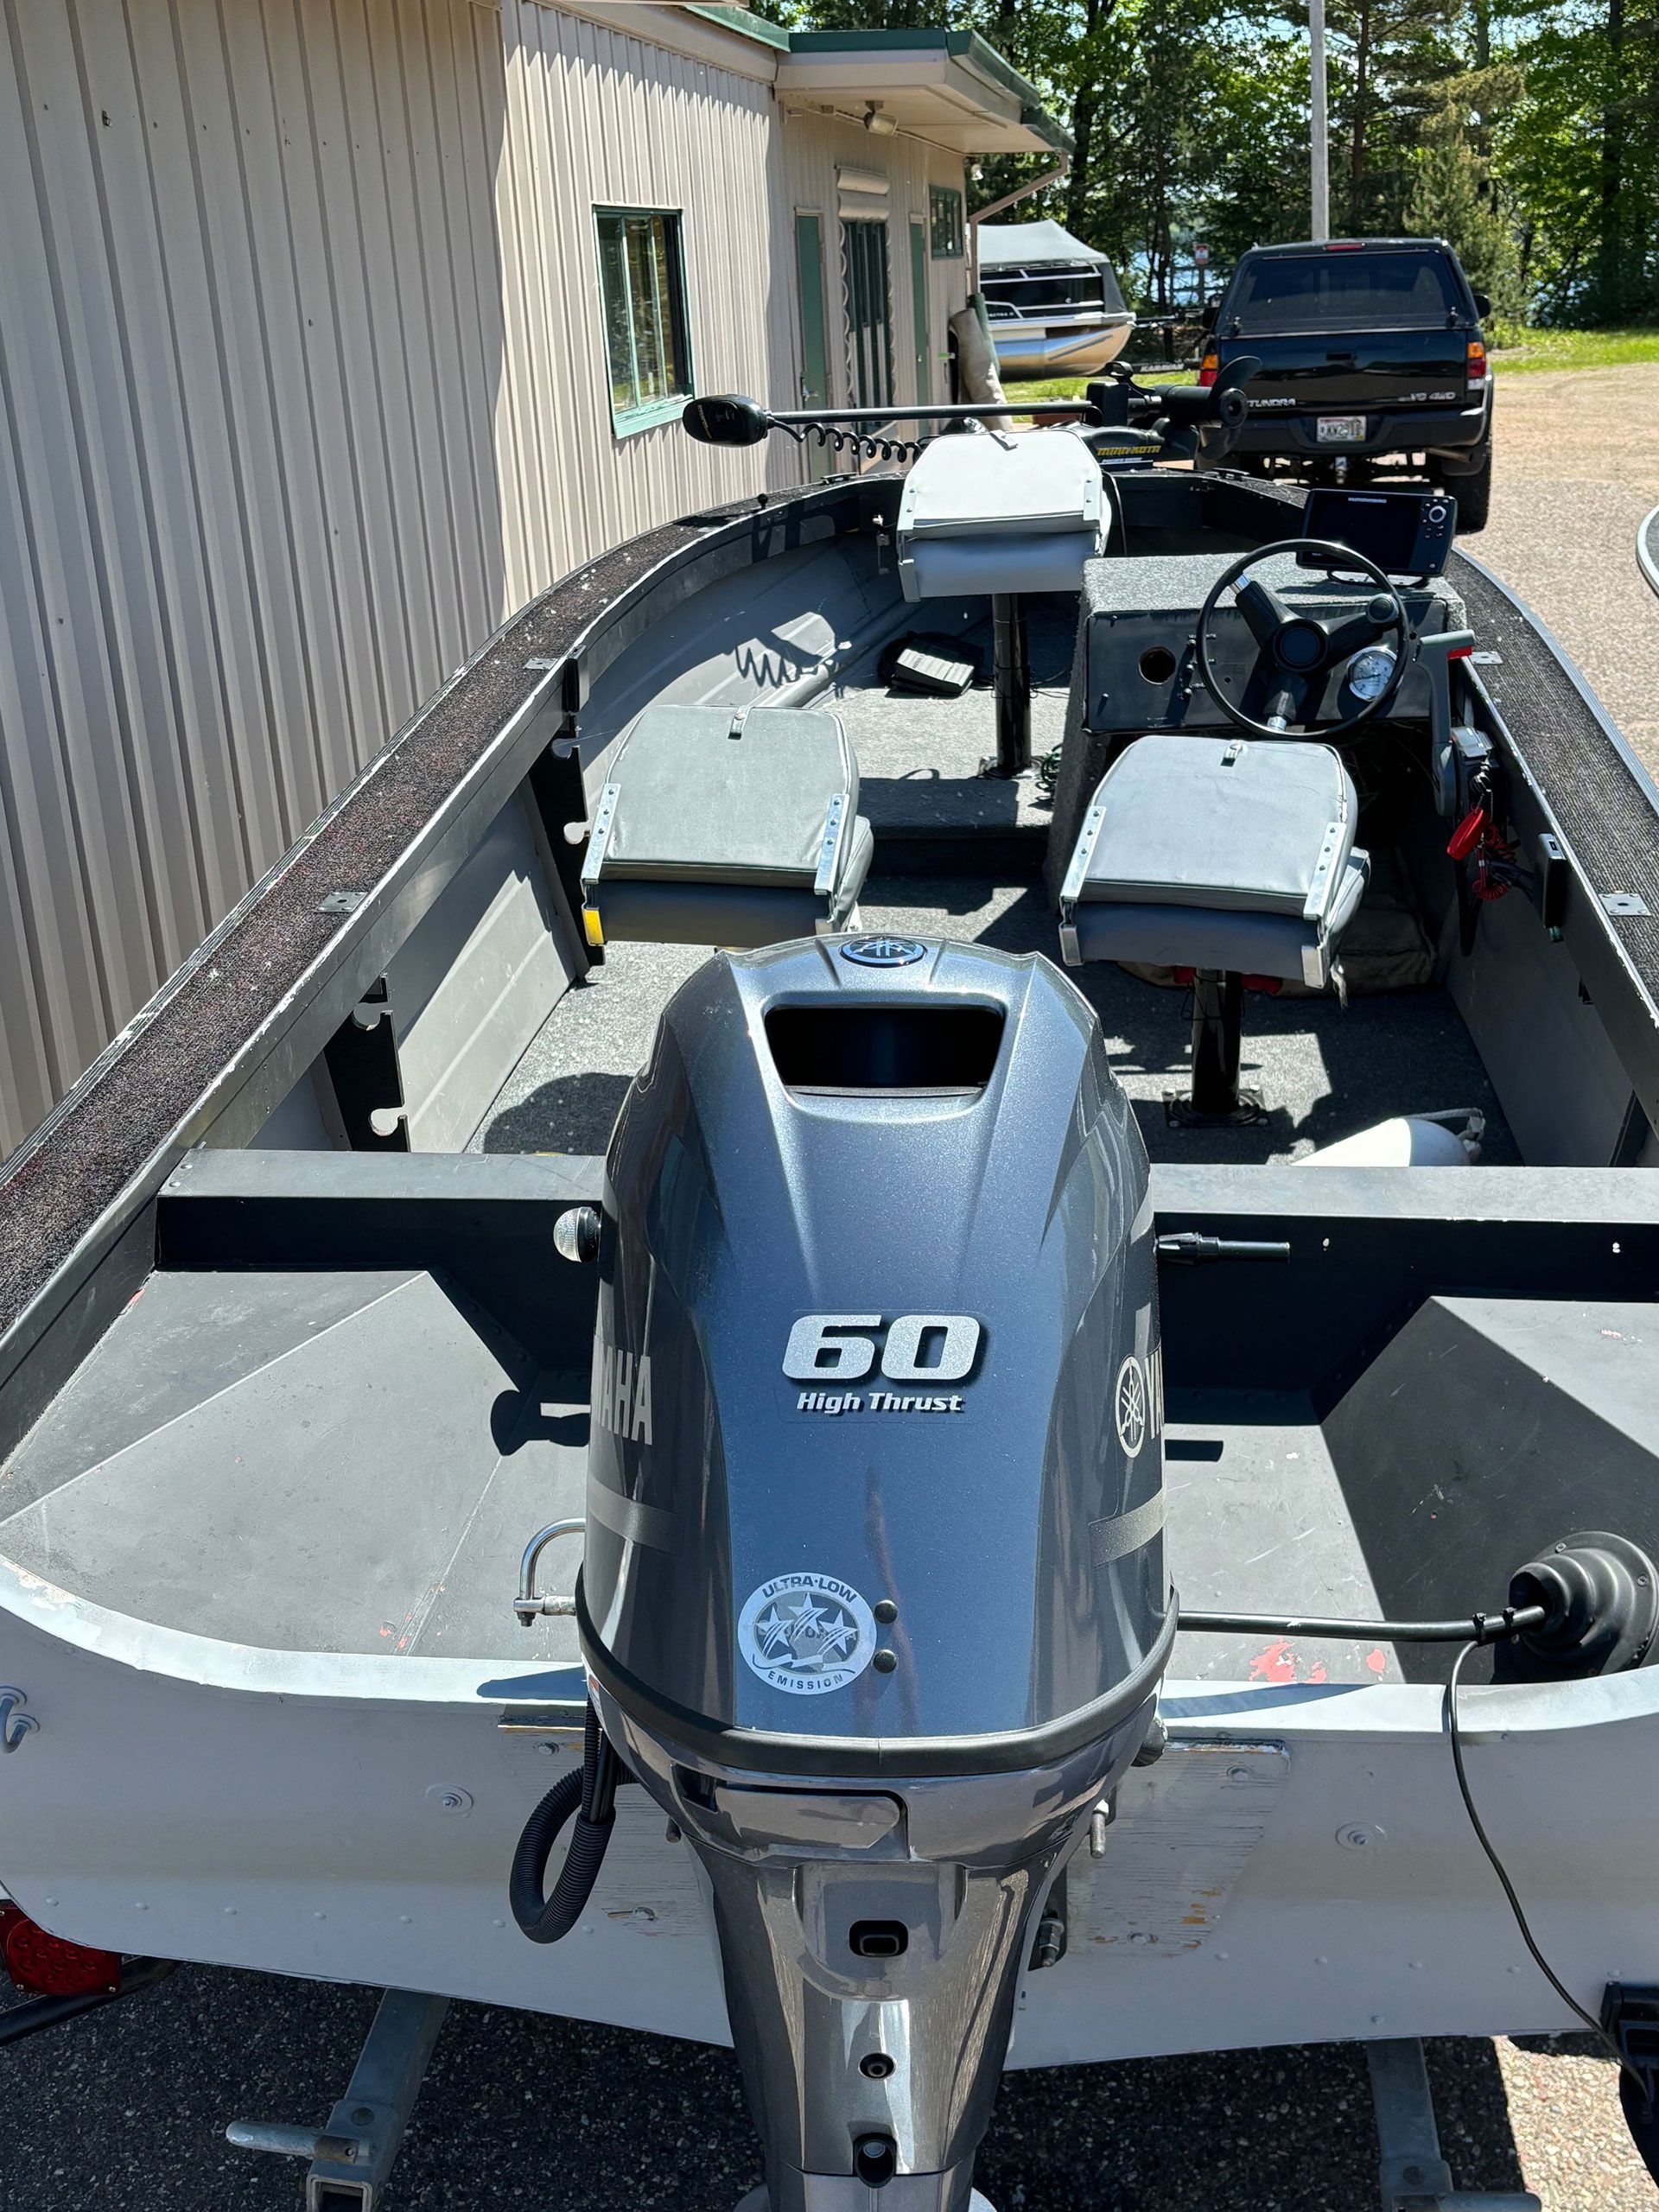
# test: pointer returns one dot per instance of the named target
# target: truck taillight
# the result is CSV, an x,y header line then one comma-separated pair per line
x,y
1476,369
1209,369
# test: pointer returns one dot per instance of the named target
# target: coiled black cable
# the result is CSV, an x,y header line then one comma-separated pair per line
x,y
591,1795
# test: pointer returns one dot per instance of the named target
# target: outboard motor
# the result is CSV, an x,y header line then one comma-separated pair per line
x,y
873,1600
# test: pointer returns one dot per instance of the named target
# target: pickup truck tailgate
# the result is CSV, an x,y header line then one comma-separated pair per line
x,y
1325,374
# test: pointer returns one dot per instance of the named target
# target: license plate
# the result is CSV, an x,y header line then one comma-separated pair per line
x,y
1341,430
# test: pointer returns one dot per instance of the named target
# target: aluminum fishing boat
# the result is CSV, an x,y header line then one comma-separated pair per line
x,y
902,1291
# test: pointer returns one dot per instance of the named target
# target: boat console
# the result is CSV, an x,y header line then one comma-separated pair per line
x,y
1145,620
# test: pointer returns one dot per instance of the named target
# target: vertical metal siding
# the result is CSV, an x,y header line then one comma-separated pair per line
x,y
598,117
301,391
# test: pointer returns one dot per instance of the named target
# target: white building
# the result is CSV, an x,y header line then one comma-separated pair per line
x,y
331,331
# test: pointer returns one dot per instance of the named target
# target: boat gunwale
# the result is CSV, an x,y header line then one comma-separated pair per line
x,y
566,636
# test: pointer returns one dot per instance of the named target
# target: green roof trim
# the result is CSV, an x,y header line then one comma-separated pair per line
x,y
960,46
745,20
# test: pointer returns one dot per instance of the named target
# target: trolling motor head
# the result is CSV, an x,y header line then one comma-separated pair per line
x,y
874,1597
1177,412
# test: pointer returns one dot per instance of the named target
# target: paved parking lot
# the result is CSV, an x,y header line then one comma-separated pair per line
x,y
1577,469
125,2112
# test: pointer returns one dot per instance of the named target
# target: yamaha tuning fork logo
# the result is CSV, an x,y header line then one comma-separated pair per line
x,y
806,1634
1130,1403
883,951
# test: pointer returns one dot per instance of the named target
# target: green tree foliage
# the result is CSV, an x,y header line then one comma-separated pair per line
x,y
1580,156
1525,131
1454,193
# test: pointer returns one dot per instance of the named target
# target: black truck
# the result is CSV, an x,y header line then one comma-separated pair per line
x,y
1373,363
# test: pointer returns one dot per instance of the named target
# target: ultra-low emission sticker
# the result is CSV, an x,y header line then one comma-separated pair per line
x,y
806,1634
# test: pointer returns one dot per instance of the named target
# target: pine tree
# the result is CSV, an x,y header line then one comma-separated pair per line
x,y
1454,193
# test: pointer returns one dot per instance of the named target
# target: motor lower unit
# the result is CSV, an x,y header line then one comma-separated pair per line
x,y
873,1597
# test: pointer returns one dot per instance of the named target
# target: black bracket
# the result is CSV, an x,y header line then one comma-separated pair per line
x,y
362,1061
1629,2013
28,2020
1554,875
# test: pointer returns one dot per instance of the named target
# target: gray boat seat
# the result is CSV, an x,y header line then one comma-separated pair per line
x,y
1001,513
727,826
1230,854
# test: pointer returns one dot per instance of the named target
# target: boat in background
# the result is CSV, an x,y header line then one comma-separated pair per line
x,y
1054,303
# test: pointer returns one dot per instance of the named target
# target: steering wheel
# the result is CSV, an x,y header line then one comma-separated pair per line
x,y
1295,652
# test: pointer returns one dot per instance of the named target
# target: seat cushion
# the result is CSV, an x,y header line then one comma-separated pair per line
x,y
1255,825
711,794
662,910
1231,853
1285,945
997,513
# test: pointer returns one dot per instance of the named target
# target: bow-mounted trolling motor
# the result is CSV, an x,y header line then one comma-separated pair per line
x,y
1005,515
873,1600
1118,418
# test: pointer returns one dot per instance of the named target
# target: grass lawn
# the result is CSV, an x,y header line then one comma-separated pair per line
x,y
1519,352
1073,387
1515,353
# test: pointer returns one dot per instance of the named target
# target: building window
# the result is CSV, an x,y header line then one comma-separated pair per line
x,y
944,213
642,296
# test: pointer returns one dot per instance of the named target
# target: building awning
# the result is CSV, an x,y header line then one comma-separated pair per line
x,y
947,86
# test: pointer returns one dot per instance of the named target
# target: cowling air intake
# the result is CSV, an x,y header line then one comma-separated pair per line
x,y
874,1597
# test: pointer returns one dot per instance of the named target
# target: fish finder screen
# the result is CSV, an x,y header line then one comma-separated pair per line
x,y
1406,533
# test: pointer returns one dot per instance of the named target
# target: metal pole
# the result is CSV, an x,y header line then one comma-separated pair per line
x,y
1319,134
1011,675
1218,1020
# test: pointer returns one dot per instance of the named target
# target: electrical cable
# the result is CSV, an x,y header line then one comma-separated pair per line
x,y
589,1792
1454,1731
1488,1629
1476,1627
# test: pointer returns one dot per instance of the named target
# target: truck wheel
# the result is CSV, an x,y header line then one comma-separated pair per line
x,y
1474,494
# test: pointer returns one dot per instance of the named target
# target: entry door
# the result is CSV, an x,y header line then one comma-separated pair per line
x,y
869,310
919,311
815,348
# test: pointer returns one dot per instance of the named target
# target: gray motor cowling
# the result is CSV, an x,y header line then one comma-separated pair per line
x,y
874,1596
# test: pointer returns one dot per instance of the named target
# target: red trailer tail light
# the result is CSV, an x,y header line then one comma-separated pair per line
x,y
1209,370
50,1966
1477,371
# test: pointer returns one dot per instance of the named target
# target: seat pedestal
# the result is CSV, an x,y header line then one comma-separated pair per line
x,y
1216,1101
1011,676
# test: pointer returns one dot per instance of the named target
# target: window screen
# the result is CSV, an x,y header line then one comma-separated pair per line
x,y
1342,291
642,292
